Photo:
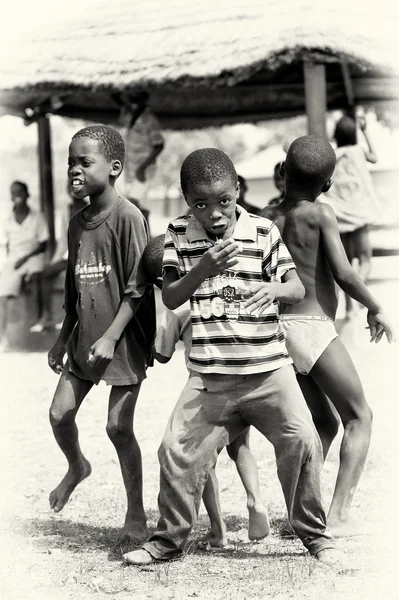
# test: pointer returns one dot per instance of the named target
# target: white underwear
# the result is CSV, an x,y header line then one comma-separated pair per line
x,y
306,338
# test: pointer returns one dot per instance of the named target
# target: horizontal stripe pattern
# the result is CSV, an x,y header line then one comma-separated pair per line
x,y
227,339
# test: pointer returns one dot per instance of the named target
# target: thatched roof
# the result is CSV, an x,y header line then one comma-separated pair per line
x,y
204,63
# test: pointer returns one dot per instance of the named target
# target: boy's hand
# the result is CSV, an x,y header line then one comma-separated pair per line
x,y
260,296
102,350
380,324
220,257
55,357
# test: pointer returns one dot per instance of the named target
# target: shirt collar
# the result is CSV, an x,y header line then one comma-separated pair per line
x,y
245,228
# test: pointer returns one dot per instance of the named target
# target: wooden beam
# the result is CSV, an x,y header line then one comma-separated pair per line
x,y
315,97
46,176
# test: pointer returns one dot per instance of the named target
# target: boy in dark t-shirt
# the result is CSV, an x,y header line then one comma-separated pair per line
x,y
109,323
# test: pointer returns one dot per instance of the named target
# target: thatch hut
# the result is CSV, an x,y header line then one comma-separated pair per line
x,y
207,63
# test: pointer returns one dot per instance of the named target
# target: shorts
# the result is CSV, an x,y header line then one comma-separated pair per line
x,y
306,338
11,278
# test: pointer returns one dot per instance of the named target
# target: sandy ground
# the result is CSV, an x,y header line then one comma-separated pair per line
x,y
73,555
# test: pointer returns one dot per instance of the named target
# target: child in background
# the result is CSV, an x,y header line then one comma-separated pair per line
x,y
279,183
325,370
176,325
109,324
235,269
26,237
353,197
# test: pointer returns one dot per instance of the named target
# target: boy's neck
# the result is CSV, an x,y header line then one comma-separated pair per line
x,y
293,197
100,203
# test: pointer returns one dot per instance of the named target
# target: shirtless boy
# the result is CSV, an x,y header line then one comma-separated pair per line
x,y
309,229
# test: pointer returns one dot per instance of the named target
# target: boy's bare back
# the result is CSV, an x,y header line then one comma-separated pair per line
x,y
301,228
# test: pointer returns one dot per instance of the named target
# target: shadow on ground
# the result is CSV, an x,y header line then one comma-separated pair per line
x,y
55,534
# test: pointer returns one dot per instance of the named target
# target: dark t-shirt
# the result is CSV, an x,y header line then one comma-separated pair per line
x,y
104,265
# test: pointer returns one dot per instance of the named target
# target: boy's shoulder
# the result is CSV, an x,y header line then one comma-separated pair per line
x,y
126,209
317,212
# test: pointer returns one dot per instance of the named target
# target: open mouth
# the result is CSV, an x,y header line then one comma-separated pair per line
x,y
76,184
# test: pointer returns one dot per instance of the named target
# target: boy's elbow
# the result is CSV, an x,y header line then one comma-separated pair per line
x,y
298,292
168,300
301,293
160,357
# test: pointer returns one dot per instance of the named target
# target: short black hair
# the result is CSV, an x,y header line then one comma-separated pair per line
x,y
110,141
310,160
345,132
22,185
206,165
152,259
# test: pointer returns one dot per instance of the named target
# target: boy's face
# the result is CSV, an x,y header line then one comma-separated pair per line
x,y
19,197
89,171
213,205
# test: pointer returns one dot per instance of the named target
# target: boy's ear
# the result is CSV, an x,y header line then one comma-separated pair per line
x,y
116,168
281,170
327,186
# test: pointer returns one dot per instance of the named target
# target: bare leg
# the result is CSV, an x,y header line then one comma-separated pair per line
x,y
324,415
240,453
67,399
216,536
336,376
122,403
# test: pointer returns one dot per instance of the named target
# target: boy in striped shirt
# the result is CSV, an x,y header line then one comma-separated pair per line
x,y
234,268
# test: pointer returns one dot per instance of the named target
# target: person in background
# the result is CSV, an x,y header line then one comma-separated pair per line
x,y
144,142
56,265
26,238
241,198
279,183
353,197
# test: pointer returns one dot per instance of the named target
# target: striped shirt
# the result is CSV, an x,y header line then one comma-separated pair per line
x,y
227,339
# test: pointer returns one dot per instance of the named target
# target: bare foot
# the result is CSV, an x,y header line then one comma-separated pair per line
x,y
139,557
258,523
133,533
350,527
60,495
213,539
333,557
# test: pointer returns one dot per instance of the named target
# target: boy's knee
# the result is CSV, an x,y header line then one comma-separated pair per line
x,y
119,433
59,418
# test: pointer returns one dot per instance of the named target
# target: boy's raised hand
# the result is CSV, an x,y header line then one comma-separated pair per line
x,y
55,357
380,324
220,257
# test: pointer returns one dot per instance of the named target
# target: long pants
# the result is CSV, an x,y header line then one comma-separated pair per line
x,y
211,411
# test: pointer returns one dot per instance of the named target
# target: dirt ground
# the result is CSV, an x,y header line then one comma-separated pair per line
x,y
73,556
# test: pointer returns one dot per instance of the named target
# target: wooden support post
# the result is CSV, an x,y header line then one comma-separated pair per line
x,y
315,97
46,176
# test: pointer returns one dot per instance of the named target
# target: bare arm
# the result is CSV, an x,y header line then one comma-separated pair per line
x,y
343,273
371,155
